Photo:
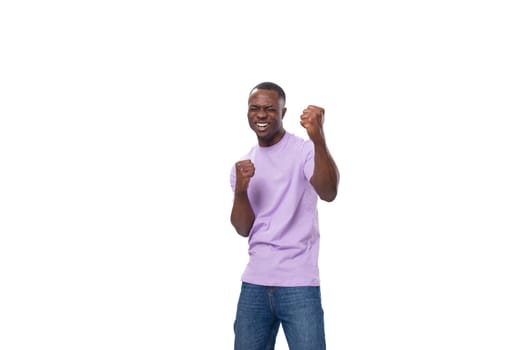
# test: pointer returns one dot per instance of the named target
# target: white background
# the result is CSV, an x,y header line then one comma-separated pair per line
x,y
120,121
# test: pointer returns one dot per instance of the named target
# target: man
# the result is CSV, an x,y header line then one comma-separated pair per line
x,y
276,187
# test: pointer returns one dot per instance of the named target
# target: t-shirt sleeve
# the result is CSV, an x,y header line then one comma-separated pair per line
x,y
308,156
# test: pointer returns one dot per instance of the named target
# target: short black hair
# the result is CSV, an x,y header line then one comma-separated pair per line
x,y
268,85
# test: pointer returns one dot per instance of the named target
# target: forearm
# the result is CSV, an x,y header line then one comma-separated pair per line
x,y
242,216
325,178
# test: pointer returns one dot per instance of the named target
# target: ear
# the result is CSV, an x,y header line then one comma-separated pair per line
x,y
284,112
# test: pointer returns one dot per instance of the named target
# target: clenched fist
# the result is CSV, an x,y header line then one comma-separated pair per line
x,y
244,172
312,120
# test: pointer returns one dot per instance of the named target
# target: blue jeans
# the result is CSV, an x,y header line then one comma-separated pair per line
x,y
262,309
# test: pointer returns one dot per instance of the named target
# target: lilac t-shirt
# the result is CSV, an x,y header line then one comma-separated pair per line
x,y
284,240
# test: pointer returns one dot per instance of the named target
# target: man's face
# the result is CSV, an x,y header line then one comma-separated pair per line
x,y
265,116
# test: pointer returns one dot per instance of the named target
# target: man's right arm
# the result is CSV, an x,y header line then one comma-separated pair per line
x,y
242,216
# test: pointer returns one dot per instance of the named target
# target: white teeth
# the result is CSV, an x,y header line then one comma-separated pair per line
x,y
262,124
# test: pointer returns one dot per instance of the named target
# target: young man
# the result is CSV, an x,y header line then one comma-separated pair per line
x,y
276,187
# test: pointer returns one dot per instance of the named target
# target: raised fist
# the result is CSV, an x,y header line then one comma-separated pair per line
x,y
244,172
312,120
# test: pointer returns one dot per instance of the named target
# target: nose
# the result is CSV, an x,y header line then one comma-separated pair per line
x,y
261,114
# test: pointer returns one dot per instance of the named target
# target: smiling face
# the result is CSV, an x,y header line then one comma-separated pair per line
x,y
265,115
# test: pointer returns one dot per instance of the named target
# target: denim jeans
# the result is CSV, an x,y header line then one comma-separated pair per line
x,y
262,309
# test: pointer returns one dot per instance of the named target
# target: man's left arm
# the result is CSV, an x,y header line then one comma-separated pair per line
x,y
325,178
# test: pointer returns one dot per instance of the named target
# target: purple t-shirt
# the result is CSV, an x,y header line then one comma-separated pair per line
x,y
284,240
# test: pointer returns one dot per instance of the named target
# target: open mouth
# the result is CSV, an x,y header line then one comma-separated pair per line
x,y
261,126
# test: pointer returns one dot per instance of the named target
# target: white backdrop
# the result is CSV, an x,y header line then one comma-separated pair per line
x,y
120,121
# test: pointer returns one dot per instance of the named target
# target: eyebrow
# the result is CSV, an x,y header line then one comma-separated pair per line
x,y
261,106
